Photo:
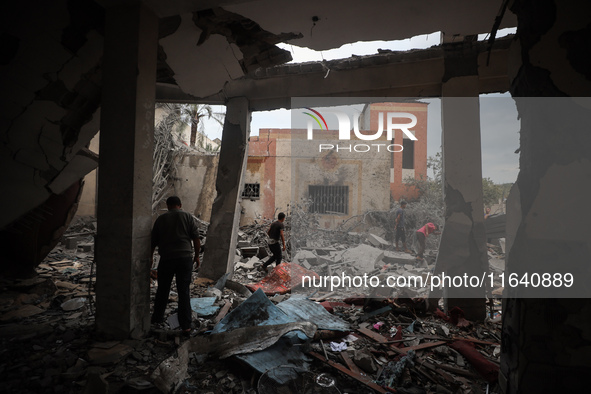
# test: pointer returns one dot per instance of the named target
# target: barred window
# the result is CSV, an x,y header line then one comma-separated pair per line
x,y
251,190
331,200
408,154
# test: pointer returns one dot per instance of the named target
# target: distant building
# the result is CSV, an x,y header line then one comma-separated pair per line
x,y
284,167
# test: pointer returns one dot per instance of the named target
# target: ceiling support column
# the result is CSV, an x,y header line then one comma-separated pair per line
x,y
125,177
225,214
463,245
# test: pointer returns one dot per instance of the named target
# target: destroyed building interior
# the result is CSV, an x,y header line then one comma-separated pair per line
x,y
76,293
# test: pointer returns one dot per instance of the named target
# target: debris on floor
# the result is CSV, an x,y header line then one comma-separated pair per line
x,y
269,340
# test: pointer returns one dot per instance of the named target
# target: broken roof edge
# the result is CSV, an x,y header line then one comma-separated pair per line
x,y
273,100
389,56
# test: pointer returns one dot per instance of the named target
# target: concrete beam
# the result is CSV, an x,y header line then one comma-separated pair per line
x,y
417,73
125,178
225,214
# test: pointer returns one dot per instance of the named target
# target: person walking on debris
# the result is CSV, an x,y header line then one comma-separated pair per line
x,y
173,233
275,234
421,237
399,227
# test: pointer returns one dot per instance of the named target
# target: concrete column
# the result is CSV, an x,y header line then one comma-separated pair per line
x,y
463,245
125,178
225,214
546,340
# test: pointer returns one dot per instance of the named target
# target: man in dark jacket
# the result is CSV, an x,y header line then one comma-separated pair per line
x,y
173,233
275,234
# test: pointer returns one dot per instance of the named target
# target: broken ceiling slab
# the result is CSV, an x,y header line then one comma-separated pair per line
x,y
257,45
84,162
328,24
186,59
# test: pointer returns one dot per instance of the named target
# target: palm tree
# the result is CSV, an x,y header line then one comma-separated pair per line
x,y
192,114
167,149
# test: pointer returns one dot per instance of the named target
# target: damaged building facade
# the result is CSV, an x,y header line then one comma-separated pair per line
x,y
338,181
70,68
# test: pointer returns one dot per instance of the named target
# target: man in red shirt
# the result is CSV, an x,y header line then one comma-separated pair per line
x,y
422,235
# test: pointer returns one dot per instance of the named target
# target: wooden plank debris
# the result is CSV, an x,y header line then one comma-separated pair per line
x,y
360,378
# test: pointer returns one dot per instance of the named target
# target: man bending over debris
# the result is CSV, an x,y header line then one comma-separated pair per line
x,y
173,232
421,236
275,234
399,227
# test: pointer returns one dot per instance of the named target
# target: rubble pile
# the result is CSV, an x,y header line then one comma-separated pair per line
x,y
250,341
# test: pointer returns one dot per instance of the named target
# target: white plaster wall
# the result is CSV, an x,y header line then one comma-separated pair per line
x,y
366,174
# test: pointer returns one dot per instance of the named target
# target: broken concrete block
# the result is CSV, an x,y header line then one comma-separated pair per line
x,y
73,304
497,264
95,383
172,372
262,252
398,258
213,292
364,360
337,256
306,255
100,355
305,264
243,244
325,260
86,247
253,260
173,321
363,257
249,251
502,243
323,251
379,231
21,313
249,264
377,241
71,243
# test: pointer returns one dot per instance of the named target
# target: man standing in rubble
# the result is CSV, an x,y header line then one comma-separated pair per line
x,y
173,233
399,227
275,234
